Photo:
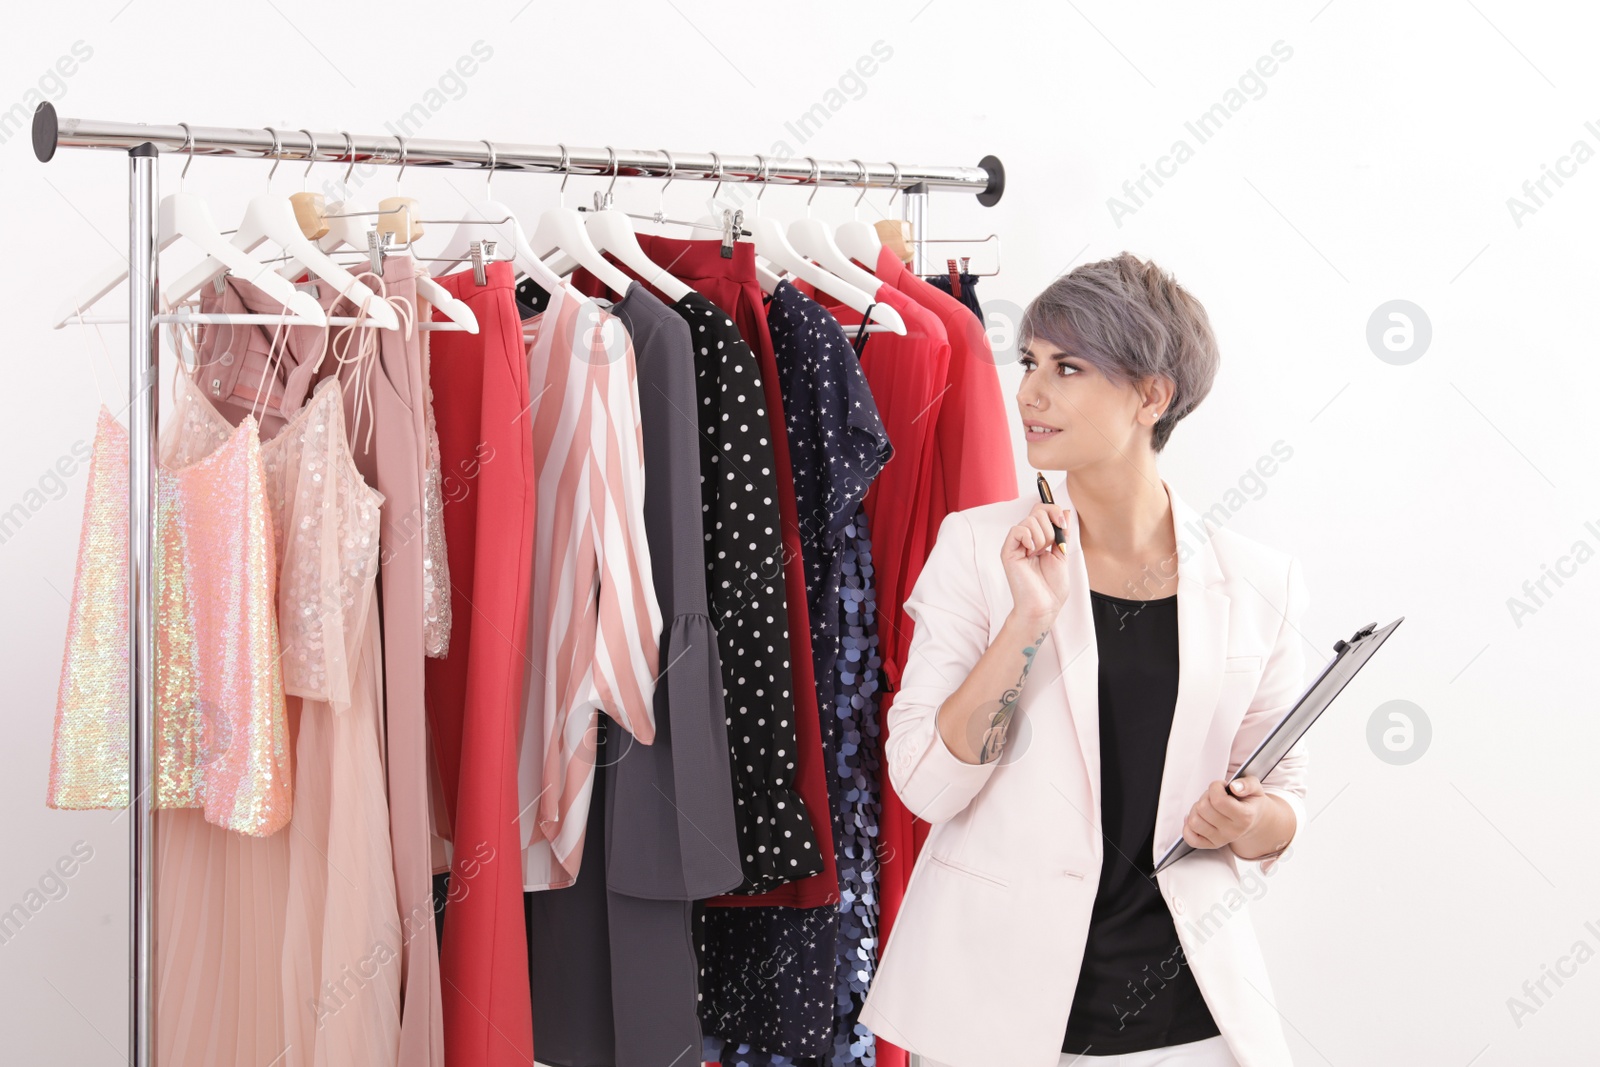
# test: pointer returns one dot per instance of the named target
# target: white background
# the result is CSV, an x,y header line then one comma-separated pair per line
x,y
1376,165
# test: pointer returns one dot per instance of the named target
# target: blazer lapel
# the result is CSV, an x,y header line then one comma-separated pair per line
x,y
1202,646
1073,637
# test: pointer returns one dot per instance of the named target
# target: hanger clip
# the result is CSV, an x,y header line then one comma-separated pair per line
x,y
377,248
218,282
602,201
481,251
732,226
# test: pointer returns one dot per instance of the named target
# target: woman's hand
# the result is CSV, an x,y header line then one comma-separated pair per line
x,y
1035,569
1224,815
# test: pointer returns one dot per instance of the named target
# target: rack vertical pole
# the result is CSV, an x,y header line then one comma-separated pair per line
x,y
143,349
915,211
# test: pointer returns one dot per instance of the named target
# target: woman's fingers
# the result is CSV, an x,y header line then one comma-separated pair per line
x,y
1032,537
1047,536
1035,535
1021,537
1041,521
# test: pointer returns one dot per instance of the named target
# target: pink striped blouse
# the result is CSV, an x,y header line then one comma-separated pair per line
x,y
594,621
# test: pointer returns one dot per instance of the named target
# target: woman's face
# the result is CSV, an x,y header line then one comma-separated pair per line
x,y
1081,416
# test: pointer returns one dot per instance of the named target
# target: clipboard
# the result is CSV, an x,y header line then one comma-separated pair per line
x,y
1349,657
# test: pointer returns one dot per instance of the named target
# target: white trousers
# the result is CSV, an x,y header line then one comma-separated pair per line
x,y
1211,1052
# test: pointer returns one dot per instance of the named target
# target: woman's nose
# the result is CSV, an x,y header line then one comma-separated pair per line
x,y
1029,398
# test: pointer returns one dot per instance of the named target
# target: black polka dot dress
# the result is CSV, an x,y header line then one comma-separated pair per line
x,y
748,605
783,985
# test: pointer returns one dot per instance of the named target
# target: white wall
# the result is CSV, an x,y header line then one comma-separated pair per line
x,y
1376,165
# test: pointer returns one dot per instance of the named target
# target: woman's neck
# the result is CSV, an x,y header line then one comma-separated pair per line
x,y
1125,524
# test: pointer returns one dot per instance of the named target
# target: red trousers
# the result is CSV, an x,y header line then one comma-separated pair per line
x,y
480,395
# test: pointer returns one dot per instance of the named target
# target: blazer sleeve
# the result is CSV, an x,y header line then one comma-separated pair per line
x,y
1282,681
950,632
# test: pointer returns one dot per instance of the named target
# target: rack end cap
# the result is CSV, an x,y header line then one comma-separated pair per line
x,y
46,127
997,181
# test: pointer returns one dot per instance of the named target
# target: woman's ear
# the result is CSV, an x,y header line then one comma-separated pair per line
x,y
1156,392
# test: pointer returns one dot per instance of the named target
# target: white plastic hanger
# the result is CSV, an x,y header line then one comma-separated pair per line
x,y
271,217
811,238
492,220
562,229
767,278
773,246
612,231
185,215
857,239
347,229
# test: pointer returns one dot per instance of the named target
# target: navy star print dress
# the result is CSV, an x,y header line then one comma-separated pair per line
x,y
812,966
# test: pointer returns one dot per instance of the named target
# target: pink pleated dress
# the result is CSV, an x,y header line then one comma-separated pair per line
x,y
339,980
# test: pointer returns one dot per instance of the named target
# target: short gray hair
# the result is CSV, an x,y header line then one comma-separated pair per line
x,y
1131,320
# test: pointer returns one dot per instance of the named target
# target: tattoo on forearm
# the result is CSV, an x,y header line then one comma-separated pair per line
x,y
994,737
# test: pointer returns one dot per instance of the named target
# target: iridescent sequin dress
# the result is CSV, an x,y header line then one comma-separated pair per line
x,y
222,743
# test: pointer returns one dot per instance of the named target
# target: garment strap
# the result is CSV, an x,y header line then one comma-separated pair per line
x,y
859,341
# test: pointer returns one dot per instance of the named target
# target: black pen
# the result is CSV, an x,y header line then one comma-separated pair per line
x,y
1044,494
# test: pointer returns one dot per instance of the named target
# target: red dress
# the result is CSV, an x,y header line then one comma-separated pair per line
x,y
973,464
480,395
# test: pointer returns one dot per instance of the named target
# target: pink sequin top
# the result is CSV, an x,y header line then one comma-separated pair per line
x,y
221,731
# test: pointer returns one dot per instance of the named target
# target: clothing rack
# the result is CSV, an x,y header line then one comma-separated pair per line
x,y
143,145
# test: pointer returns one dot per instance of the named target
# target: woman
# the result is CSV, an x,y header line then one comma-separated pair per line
x,y
1045,728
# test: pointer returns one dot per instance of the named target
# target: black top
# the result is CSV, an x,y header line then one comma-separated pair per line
x,y
1135,991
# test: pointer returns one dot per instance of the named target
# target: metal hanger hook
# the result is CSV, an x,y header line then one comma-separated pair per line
x,y
716,172
402,173
672,172
566,168
863,194
277,153
761,175
311,155
896,180
815,171
488,185
613,154
349,150
188,142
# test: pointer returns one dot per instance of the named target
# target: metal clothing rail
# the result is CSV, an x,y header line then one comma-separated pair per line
x,y
987,179
143,145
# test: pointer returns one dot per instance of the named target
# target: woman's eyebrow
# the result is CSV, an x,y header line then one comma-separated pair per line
x,y
1059,357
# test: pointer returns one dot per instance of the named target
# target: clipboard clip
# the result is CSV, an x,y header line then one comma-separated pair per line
x,y
1365,631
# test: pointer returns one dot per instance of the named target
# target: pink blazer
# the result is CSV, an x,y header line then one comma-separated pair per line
x,y
982,964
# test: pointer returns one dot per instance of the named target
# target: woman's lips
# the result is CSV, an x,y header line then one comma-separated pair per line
x,y
1039,435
